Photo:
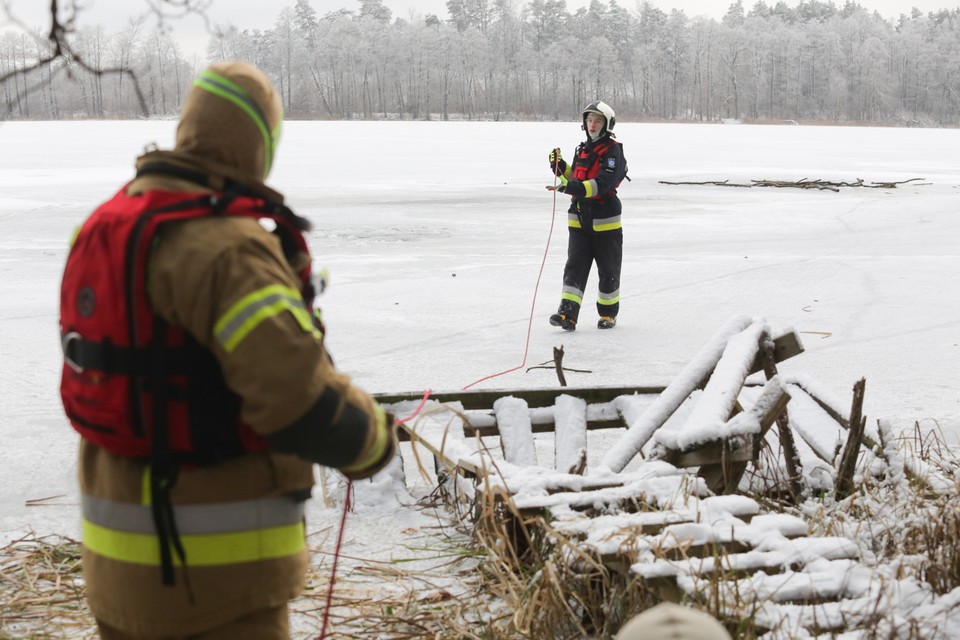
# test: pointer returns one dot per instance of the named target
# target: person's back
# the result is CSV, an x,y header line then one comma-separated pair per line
x,y
201,386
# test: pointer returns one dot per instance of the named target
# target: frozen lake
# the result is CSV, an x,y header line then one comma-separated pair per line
x,y
434,234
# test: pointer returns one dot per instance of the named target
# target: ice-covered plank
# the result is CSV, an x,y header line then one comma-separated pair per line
x,y
653,491
810,421
818,581
690,378
786,525
788,553
516,432
608,534
570,441
709,418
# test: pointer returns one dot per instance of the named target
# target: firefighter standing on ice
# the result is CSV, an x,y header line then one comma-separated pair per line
x,y
593,220
195,372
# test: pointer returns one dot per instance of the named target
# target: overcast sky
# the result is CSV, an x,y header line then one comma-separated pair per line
x,y
261,15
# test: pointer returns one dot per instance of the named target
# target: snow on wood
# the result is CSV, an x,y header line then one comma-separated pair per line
x,y
610,411
750,422
833,405
786,525
799,552
812,423
820,580
719,397
689,379
516,431
629,488
608,534
570,440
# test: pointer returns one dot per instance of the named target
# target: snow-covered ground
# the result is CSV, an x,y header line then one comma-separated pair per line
x,y
434,234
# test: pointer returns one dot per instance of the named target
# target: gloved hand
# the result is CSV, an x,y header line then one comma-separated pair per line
x,y
557,164
357,472
573,188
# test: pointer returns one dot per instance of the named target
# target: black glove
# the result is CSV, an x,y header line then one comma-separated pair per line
x,y
557,164
390,450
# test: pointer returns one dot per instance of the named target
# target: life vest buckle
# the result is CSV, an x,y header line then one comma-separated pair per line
x,y
69,338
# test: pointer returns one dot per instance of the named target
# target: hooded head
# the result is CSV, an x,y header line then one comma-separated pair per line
x,y
231,119
228,132
668,621
602,109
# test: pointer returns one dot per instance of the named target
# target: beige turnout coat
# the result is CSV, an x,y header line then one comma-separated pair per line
x,y
290,393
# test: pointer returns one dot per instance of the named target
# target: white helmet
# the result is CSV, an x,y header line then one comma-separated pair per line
x,y
668,621
603,109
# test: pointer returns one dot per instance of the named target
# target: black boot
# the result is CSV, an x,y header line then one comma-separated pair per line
x,y
561,320
606,322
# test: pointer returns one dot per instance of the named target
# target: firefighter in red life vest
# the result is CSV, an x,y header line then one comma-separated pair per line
x,y
195,372
593,220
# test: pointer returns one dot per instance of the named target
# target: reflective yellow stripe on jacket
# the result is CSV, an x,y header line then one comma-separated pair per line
x,y
211,534
246,314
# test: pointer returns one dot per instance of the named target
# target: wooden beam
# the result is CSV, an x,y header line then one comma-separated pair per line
x,y
534,397
486,430
713,453
785,346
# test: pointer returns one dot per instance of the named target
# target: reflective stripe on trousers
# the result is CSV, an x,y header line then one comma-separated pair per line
x,y
599,224
211,534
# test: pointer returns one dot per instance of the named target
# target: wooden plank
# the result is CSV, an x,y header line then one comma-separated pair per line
x,y
534,397
516,439
714,452
487,430
785,346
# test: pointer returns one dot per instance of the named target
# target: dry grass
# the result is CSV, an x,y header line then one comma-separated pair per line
x,y
558,591
42,590
521,579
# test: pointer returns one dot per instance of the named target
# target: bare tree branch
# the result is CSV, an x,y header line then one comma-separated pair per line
x,y
63,27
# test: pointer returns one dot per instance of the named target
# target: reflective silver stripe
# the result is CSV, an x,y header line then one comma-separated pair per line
x,y
608,298
573,220
603,224
573,291
222,517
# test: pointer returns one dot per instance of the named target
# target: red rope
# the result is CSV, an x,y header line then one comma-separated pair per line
x,y
336,560
546,250
416,412
426,396
343,525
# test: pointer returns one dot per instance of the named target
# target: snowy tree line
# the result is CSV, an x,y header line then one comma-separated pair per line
x,y
503,59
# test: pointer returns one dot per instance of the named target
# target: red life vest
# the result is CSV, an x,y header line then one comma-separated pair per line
x,y
125,370
586,165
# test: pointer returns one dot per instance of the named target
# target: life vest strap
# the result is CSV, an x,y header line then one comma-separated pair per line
x,y
83,355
